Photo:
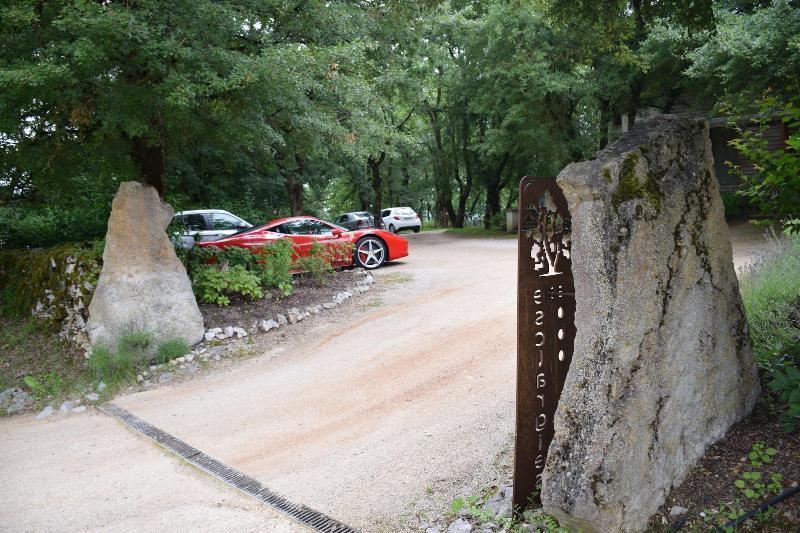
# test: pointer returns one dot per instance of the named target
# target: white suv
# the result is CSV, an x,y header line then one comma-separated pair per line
x,y
397,218
199,225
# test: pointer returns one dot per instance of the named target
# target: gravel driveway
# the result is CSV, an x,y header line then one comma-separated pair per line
x,y
371,415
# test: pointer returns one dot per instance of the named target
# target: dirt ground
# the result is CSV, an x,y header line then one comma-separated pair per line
x,y
243,312
711,482
379,414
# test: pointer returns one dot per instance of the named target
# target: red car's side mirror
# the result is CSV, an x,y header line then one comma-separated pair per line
x,y
336,233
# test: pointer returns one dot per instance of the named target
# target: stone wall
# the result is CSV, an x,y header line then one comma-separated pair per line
x,y
662,364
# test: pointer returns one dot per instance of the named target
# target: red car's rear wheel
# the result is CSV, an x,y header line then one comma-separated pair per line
x,y
370,253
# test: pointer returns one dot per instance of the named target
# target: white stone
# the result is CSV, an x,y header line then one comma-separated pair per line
x,y
44,413
460,526
142,286
677,510
228,331
79,409
65,407
267,325
329,305
240,332
101,386
93,397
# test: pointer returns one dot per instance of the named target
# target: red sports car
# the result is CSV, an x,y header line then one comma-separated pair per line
x,y
372,247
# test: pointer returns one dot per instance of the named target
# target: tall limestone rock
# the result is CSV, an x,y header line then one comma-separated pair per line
x,y
142,286
662,364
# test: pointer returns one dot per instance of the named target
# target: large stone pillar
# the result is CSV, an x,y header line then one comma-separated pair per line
x,y
143,287
662,364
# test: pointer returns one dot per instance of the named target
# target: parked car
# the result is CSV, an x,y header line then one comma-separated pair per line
x,y
357,220
399,218
203,225
372,247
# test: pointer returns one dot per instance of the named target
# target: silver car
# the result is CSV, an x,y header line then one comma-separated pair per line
x,y
356,220
199,225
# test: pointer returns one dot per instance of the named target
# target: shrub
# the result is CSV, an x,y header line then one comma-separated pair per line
x,y
786,385
321,259
775,189
171,349
274,268
735,204
215,284
771,295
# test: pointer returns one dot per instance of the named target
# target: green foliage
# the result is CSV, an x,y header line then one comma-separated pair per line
x,y
771,292
786,385
760,454
775,189
45,385
213,284
321,260
734,204
751,52
171,349
473,506
771,296
274,267
751,485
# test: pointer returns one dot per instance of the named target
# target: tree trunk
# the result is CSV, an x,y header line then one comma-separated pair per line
x,y
374,167
295,192
493,187
150,158
445,214
294,188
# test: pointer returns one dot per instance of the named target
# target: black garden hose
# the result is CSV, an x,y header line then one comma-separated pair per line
x,y
788,493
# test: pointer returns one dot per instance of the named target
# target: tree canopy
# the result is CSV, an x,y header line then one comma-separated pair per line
x,y
271,107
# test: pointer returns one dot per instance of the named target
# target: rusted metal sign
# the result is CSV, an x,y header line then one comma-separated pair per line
x,y
545,326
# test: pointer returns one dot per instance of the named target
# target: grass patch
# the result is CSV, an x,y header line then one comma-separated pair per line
x,y
114,370
134,342
46,385
771,294
171,349
31,349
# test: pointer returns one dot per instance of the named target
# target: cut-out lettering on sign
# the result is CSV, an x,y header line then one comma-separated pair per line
x,y
545,326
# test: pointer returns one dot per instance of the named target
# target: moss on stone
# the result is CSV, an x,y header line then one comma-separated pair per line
x,y
56,277
630,187
607,175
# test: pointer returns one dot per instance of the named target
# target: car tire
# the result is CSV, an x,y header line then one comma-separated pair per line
x,y
416,229
392,228
370,253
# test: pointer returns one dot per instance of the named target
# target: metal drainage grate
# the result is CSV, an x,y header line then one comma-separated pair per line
x,y
234,478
